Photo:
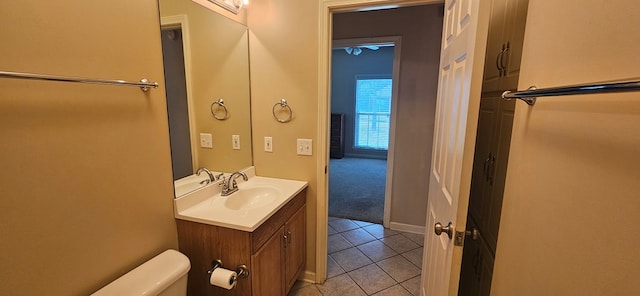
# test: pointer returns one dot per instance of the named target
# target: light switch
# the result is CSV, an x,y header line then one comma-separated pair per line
x,y
235,139
304,147
206,140
268,144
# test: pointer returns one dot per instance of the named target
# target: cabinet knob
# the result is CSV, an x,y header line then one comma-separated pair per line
x,y
286,237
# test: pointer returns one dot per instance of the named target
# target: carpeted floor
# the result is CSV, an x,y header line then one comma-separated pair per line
x,y
356,188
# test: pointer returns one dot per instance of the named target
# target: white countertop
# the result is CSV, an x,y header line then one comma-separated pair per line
x,y
207,206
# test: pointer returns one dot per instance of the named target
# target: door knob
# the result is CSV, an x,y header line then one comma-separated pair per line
x,y
439,229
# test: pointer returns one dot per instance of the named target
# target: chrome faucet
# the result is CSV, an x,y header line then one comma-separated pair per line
x,y
212,178
230,185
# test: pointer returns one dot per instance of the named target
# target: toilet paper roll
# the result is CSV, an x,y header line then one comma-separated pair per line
x,y
223,278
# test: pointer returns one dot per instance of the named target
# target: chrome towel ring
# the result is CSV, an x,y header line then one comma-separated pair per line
x,y
219,110
284,108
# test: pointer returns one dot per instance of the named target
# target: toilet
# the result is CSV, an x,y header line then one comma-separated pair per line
x,y
163,275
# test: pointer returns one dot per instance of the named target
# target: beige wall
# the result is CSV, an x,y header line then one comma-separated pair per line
x,y
572,198
85,184
421,31
219,69
283,46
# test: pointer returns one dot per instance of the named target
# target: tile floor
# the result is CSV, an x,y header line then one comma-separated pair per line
x,y
366,259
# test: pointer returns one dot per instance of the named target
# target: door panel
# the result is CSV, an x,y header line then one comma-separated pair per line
x,y
266,264
498,173
460,81
495,46
482,159
470,273
516,21
295,247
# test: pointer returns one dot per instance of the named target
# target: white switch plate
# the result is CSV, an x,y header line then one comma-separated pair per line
x,y
268,144
206,140
235,139
304,147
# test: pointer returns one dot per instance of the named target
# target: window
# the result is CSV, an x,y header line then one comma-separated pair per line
x,y
373,113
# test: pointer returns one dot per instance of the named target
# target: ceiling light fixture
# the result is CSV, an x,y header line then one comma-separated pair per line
x,y
231,5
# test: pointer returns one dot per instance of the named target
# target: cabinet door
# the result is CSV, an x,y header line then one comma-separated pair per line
x,y
480,185
495,47
485,264
470,270
516,20
266,267
477,266
295,247
499,172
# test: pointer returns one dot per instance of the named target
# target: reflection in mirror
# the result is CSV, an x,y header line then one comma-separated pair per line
x,y
206,58
230,5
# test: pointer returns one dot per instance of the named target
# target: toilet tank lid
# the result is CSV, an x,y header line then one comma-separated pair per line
x,y
150,278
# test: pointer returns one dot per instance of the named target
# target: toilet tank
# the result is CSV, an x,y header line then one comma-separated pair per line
x,y
162,275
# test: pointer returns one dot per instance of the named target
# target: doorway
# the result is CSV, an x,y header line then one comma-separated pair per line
x,y
421,30
364,93
177,104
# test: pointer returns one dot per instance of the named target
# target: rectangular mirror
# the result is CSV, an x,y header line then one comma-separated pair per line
x,y
206,60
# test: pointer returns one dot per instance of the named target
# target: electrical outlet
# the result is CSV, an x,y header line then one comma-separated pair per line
x,y
206,140
268,144
235,139
304,147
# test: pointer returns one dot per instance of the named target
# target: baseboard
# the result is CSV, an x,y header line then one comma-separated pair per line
x,y
371,156
308,276
407,227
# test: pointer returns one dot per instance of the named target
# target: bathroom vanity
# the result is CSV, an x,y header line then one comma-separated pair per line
x,y
273,248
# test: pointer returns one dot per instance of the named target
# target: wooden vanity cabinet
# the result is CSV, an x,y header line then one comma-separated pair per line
x,y
274,253
279,262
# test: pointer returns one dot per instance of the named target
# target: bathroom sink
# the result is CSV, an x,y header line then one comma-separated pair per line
x,y
252,197
246,209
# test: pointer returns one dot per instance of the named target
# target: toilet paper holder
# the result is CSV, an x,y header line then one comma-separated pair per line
x,y
241,270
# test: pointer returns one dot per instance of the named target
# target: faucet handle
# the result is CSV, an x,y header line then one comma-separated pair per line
x,y
219,176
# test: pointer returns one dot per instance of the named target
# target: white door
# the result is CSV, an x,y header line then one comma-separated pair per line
x,y
460,81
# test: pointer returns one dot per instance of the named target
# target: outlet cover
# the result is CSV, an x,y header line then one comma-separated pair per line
x,y
206,140
235,139
304,147
268,144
